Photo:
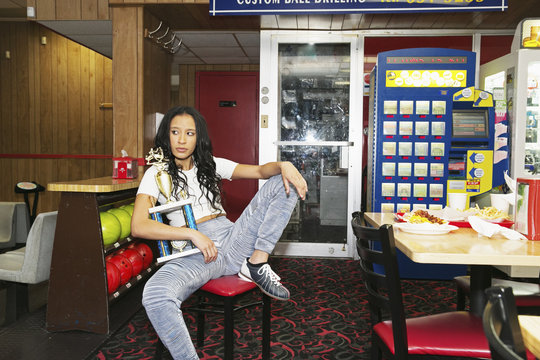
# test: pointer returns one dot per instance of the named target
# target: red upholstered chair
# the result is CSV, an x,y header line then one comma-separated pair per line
x,y
527,295
455,334
228,291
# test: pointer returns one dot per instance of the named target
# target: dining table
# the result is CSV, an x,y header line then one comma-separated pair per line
x,y
462,246
530,329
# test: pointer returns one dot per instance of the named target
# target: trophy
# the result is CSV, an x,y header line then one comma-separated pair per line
x,y
164,182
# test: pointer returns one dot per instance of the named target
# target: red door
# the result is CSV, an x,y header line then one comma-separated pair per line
x,y
229,103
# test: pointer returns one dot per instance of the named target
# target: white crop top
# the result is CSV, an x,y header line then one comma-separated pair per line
x,y
201,205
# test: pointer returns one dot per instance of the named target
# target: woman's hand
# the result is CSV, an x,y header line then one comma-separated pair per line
x,y
203,243
291,175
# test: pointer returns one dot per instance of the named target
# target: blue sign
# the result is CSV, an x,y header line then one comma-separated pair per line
x,y
291,7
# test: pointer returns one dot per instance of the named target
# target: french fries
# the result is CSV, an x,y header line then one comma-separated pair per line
x,y
490,213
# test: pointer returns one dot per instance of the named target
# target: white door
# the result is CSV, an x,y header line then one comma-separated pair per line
x,y
311,115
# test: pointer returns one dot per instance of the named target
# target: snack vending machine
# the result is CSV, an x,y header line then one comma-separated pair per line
x,y
431,133
514,80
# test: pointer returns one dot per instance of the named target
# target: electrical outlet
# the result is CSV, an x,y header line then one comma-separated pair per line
x,y
264,121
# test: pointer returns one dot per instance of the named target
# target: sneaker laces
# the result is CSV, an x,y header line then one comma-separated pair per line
x,y
267,270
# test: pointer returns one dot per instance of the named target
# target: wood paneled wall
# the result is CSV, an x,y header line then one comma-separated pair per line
x,y
49,105
185,95
71,9
124,2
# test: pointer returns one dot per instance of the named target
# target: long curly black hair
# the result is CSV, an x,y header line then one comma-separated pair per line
x,y
210,182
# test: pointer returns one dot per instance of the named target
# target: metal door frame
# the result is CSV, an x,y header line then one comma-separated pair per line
x,y
268,136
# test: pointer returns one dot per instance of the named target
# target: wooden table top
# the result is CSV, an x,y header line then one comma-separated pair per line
x,y
530,329
96,185
462,246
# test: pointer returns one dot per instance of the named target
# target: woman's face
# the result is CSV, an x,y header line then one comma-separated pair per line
x,y
183,138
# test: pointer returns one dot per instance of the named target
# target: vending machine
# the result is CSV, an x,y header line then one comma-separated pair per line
x,y
431,133
513,79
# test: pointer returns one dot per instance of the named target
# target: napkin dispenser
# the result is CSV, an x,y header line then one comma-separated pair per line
x,y
527,208
124,167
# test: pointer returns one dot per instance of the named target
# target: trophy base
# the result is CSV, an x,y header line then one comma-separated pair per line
x,y
189,252
168,207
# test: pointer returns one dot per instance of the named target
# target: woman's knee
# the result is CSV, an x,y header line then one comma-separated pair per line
x,y
155,294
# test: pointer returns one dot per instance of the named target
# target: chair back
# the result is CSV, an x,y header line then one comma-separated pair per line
x,y
501,325
14,224
383,286
39,245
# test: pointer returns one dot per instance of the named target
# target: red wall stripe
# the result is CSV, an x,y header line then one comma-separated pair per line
x,y
140,161
54,156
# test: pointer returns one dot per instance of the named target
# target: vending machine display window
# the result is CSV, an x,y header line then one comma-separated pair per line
x,y
438,128
439,107
389,128
403,208
404,190
420,170
390,107
422,128
389,148
421,149
405,128
437,149
404,169
422,108
405,149
419,190
436,190
406,107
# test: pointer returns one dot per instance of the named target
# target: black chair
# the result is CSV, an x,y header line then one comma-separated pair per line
x,y
501,325
526,294
228,291
455,334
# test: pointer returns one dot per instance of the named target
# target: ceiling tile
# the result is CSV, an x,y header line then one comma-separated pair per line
x,y
248,39
252,51
206,39
218,51
77,27
226,60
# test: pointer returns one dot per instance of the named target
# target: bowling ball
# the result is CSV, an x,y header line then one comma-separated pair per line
x,y
128,208
134,258
125,221
125,267
145,252
113,277
110,228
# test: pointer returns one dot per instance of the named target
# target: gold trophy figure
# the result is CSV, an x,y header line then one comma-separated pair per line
x,y
164,182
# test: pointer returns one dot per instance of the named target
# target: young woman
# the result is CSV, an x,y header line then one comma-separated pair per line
x,y
244,245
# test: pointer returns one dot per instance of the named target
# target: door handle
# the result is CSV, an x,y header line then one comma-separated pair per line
x,y
314,143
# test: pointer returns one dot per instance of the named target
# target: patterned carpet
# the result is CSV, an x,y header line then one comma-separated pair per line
x,y
326,318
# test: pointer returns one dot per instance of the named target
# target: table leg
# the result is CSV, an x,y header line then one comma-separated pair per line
x,y
480,280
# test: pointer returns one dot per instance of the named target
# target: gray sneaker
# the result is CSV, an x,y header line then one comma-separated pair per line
x,y
266,279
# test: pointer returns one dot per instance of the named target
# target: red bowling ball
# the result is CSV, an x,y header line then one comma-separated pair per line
x,y
135,258
124,265
113,277
145,252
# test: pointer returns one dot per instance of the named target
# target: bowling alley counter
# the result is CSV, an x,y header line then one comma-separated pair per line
x,y
78,294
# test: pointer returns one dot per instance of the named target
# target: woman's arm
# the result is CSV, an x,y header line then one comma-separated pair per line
x,y
144,227
287,170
